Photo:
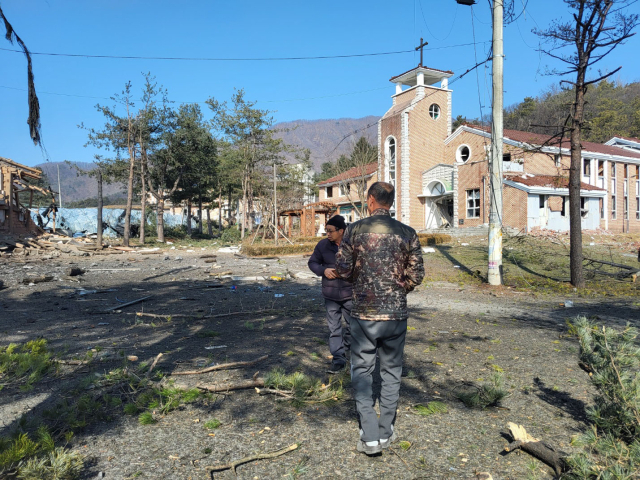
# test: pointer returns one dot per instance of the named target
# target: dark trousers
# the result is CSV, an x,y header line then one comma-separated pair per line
x,y
339,336
387,339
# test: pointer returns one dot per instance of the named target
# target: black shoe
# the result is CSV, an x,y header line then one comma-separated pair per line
x,y
336,368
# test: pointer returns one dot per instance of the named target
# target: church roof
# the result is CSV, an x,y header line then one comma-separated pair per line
x,y
355,172
548,181
540,139
431,75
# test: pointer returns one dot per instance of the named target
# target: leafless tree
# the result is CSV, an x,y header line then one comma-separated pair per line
x,y
597,27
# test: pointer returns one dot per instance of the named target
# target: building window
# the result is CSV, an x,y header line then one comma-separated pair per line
x,y
463,153
584,207
392,161
637,208
602,208
345,189
506,157
434,111
613,170
613,207
558,160
586,167
473,203
625,207
329,192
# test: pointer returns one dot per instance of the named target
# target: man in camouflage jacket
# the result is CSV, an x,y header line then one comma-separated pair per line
x,y
383,259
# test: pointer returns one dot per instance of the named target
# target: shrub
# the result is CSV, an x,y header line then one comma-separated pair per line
x,y
611,447
230,235
59,464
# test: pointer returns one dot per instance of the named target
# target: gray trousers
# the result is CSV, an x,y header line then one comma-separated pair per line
x,y
387,340
339,337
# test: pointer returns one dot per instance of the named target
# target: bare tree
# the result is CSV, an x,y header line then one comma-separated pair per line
x,y
355,171
34,105
597,27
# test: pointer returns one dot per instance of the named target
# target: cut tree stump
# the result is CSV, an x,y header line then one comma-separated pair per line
x,y
534,447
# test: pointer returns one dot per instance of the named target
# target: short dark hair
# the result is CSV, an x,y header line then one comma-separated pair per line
x,y
338,222
383,193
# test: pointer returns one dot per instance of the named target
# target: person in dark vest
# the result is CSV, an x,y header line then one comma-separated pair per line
x,y
383,259
336,292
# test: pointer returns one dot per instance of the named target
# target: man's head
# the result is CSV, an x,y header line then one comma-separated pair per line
x,y
380,195
335,229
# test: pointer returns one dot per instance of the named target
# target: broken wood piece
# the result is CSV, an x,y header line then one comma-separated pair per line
x,y
274,391
124,249
208,256
122,305
260,456
71,362
241,385
153,365
220,274
41,279
223,366
210,260
534,447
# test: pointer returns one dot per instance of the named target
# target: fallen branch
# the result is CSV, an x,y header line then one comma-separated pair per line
x,y
153,365
260,456
71,362
184,315
274,391
223,366
534,447
122,305
241,385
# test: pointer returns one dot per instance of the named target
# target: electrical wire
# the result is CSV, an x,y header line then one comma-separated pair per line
x,y
229,59
427,25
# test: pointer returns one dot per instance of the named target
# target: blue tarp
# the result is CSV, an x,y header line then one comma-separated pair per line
x,y
78,220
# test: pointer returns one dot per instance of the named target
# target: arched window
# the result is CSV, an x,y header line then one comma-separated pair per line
x,y
391,155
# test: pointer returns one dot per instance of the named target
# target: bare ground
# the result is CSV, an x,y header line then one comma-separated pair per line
x,y
455,334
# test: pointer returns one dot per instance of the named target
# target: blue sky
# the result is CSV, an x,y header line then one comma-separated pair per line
x,y
70,87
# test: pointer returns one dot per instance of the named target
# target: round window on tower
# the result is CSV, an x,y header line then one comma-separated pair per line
x,y
434,111
463,153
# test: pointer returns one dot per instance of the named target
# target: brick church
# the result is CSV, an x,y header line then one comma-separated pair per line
x,y
442,179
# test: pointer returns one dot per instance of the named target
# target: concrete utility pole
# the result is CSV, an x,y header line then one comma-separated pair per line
x,y
494,274
59,189
275,205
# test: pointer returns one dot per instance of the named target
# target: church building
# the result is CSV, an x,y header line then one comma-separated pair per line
x,y
442,176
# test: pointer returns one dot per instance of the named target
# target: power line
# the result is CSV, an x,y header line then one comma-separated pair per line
x,y
182,102
230,59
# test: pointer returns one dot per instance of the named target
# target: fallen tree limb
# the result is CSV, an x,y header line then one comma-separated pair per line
x,y
153,365
223,366
122,305
534,447
184,315
71,362
241,385
259,456
274,391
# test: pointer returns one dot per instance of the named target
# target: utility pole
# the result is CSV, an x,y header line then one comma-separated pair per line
x,y
59,189
275,205
494,272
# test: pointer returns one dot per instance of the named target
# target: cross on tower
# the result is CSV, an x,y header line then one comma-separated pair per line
x,y
422,44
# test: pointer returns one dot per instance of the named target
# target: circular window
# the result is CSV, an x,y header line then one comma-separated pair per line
x,y
463,153
434,111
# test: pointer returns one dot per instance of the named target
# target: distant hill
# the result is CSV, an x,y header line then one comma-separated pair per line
x,y
74,186
323,136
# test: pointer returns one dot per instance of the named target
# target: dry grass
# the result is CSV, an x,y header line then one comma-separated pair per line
x,y
433,238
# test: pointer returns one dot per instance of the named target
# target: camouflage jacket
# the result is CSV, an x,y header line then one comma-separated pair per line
x,y
383,259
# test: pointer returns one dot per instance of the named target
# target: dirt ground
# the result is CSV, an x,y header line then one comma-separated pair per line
x,y
456,334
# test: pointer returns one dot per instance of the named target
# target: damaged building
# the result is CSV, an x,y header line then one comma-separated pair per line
x,y
16,198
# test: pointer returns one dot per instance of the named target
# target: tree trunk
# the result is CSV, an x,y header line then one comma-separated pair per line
x,y
200,213
244,209
127,213
575,216
220,210
229,215
160,219
99,229
189,232
143,203
209,226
